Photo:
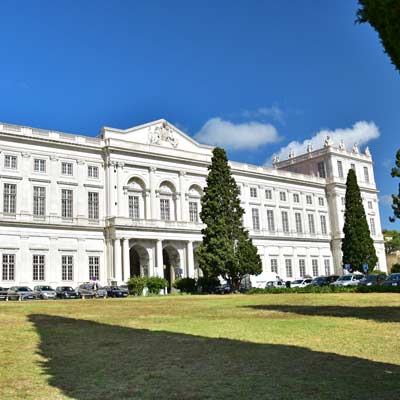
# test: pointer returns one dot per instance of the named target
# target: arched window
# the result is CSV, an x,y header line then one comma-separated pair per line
x,y
136,198
167,196
195,193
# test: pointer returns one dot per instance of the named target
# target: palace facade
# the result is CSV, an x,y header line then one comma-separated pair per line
x,y
74,208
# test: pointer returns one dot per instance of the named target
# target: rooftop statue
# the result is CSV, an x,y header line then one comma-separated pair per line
x,y
367,152
328,142
342,146
355,149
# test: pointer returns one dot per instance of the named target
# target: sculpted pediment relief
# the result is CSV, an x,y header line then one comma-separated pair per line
x,y
162,134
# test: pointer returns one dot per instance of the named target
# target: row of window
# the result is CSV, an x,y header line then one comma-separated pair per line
x,y
283,196
39,267
255,213
353,167
40,165
315,268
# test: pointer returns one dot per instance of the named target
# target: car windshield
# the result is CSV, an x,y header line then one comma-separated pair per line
x,y
297,281
319,279
394,277
67,289
24,289
345,278
46,288
370,278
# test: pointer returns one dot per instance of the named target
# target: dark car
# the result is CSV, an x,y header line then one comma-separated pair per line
x,y
92,290
116,291
392,280
66,292
370,280
324,280
223,289
3,293
21,293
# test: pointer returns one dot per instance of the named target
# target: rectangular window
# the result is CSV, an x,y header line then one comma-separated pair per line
x,y
165,209
134,207
256,218
268,194
10,198
366,175
340,169
39,165
94,268
353,167
309,199
38,267
343,201
285,221
239,189
372,226
302,267
10,162
67,168
314,264
8,267
193,211
253,192
282,196
289,269
93,205
321,169
66,203
299,225
370,205
93,171
67,268
274,265
271,220
321,201
296,198
39,201
311,223
324,228
327,265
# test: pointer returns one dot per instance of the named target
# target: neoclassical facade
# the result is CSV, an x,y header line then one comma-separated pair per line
x,y
126,203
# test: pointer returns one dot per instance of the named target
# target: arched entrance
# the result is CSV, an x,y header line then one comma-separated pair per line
x,y
139,261
171,263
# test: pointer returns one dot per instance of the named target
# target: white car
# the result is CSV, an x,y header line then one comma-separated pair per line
x,y
348,280
303,282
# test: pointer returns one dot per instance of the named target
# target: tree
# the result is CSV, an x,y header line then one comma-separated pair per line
x,y
392,241
357,244
396,198
226,249
384,17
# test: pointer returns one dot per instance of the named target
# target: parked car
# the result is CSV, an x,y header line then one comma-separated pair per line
x,y
275,284
116,291
45,292
392,280
370,280
348,280
298,283
66,292
324,280
223,289
21,292
90,289
3,293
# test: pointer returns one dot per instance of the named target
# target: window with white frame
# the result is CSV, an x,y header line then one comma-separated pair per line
x,y
93,171
321,169
67,267
67,196
256,218
67,168
285,221
309,199
366,175
340,169
289,268
343,201
38,267
271,220
296,198
299,225
93,205
253,192
370,205
134,208
39,201
372,226
282,196
315,270
9,198
268,194
274,265
165,211
94,268
353,167
321,201
39,165
302,267
324,228
10,162
193,211
239,189
311,223
8,267
327,265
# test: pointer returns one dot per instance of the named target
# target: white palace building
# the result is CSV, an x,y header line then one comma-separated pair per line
x,y
127,203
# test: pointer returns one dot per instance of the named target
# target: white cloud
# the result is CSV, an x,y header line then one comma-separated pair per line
x,y
248,135
274,112
386,199
361,132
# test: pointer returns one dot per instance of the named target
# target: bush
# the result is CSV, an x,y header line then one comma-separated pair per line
x,y
185,285
378,289
395,268
377,272
155,284
207,285
307,289
136,285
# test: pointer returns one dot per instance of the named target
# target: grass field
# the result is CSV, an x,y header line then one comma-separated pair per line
x,y
289,346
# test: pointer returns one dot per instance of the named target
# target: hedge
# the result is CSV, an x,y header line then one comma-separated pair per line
x,y
329,289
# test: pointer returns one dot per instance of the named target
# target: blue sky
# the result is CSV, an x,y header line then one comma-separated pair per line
x,y
283,70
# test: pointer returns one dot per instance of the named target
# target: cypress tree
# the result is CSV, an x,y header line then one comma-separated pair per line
x,y
357,244
226,249
396,198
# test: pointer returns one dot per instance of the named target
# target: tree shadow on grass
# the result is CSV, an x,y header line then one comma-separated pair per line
x,y
378,314
89,360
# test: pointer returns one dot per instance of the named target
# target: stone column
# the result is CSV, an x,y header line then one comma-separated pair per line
x,y
183,216
159,259
117,261
111,188
153,210
24,188
147,204
190,259
118,192
126,259
82,211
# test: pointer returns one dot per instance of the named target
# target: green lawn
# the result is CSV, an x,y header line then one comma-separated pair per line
x,y
288,346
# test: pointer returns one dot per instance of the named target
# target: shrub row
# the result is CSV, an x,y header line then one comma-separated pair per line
x,y
329,289
154,285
